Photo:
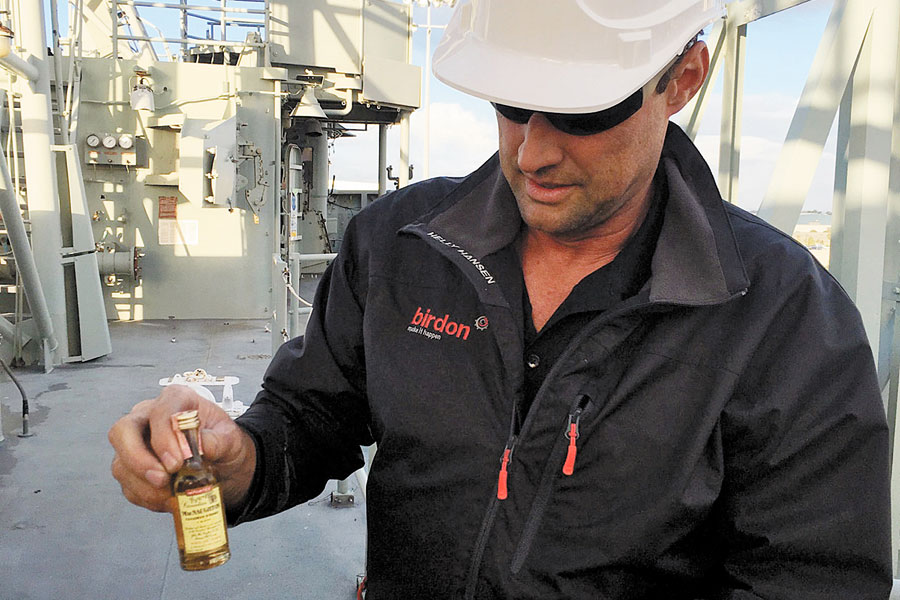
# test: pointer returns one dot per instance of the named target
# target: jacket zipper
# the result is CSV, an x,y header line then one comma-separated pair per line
x,y
502,490
488,522
572,435
549,475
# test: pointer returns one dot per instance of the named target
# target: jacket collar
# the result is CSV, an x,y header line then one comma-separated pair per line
x,y
486,218
696,261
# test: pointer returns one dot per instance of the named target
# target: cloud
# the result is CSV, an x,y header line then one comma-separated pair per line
x,y
460,139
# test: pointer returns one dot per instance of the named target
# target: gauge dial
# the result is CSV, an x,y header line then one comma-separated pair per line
x,y
126,141
109,141
93,140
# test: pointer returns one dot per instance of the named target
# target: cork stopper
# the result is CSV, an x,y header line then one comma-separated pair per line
x,y
187,419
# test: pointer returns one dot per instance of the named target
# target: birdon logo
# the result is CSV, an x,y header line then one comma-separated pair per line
x,y
434,327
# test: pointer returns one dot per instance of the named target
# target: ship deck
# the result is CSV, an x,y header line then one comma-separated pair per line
x,y
66,531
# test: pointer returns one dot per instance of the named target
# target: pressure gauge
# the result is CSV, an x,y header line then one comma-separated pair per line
x,y
109,141
93,140
126,141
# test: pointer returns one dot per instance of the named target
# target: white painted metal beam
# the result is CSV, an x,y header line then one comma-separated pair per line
x,y
863,175
883,129
732,110
829,74
742,12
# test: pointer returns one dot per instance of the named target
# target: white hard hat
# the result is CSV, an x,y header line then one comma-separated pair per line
x,y
566,56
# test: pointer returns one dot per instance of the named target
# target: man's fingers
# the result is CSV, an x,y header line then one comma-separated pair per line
x,y
144,471
163,441
148,450
149,490
128,438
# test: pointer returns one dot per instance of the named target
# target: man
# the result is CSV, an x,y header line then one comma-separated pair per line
x,y
588,377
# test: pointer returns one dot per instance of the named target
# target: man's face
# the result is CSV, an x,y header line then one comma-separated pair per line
x,y
569,186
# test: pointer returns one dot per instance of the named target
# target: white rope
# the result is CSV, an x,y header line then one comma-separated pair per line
x,y
286,276
296,295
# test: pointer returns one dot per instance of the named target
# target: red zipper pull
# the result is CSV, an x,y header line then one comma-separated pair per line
x,y
501,480
569,465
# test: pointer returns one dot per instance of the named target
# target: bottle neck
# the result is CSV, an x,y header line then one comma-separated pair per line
x,y
193,439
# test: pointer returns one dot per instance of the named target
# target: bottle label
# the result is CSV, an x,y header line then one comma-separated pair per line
x,y
202,519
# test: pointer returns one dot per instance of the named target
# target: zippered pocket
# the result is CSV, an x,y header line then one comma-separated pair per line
x,y
562,460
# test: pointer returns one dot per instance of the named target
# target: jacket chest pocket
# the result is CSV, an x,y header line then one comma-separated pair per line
x,y
627,474
561,462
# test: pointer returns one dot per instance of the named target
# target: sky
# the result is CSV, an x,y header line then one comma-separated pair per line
x,y
780,50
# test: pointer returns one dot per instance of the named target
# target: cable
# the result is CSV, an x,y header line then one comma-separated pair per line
x,y
350,208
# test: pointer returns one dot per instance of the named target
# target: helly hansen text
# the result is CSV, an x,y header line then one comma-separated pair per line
x,y
462,252
426,320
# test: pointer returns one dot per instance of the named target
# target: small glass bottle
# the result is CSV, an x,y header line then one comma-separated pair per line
x,y
199,512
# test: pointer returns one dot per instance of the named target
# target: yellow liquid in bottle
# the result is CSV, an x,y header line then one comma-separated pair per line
x,y
199,513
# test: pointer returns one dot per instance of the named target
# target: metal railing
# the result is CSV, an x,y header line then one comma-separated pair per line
x,y
219,20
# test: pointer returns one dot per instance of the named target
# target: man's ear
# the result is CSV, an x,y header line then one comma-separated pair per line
x,y
688,78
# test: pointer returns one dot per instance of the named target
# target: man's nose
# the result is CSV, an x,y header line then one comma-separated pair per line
x,y
541,145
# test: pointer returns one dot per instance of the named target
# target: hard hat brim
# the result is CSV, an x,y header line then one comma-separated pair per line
x,y
550,86
500,50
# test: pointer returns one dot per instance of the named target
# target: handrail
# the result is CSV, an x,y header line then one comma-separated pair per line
x,y
197,7
222,14
192,40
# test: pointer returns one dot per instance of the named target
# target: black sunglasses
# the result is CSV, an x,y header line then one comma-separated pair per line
x,y
579,124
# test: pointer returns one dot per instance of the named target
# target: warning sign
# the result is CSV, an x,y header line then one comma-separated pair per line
x,y
168,207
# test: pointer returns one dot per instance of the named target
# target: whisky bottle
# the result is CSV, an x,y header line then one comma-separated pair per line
x,y
199,512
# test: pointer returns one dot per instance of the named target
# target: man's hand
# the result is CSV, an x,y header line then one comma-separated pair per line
x,y
147,451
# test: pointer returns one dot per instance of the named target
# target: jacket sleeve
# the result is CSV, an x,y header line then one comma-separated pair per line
x,y
805,508
311,416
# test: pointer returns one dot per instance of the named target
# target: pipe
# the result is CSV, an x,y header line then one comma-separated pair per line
x,y
348,105
404,148
25,432
427,143
318,195
118,262
18,66
294,264
57,74
21,247
40,170
382,159
362,478
7,329
75,31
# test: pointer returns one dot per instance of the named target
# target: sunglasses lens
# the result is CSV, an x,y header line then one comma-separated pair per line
x,y
516,115
580,124
604,120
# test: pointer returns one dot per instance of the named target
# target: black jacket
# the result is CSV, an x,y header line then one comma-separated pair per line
x,y
731,440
